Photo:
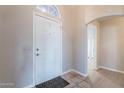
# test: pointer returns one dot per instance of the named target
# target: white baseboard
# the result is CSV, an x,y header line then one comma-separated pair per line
x,y
110,69
30,86
67,71
82,74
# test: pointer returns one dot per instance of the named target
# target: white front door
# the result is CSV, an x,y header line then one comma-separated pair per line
x,y
48,49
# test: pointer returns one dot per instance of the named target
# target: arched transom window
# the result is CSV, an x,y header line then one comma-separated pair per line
x,y
49,9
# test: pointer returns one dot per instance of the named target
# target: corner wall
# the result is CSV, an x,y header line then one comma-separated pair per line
x,y
112,43
87,14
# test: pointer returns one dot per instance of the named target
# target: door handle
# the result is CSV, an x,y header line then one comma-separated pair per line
x,y
37,49
37,54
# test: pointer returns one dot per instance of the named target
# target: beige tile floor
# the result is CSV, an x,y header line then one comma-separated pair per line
x,y
100,78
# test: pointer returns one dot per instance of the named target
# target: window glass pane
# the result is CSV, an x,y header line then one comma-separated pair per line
x,y
54,14
43,8
55,11
50,9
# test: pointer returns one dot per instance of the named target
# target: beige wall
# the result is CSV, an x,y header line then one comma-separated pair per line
x,y
66,12
24,42
112,43
78,40
7,49
16,51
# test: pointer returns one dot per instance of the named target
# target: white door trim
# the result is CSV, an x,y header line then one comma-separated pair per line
x,y
86,47
34,39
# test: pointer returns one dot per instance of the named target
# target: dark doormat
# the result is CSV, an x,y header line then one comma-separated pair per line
x,y
57,82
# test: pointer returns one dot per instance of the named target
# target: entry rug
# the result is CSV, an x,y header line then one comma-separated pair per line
x,y
57,82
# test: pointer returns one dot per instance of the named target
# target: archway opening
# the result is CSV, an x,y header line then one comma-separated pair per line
x,y
109,44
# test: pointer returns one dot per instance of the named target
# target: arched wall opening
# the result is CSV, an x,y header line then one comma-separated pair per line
x,y
117,62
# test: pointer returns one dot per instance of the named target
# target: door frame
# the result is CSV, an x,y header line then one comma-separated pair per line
x,y
34,39
86,47
96,45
